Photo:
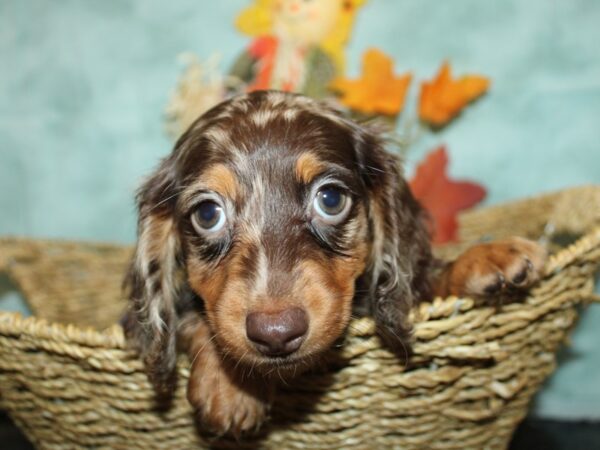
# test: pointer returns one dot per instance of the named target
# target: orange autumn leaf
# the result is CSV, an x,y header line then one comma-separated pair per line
x,y
442,197
378,90
443,98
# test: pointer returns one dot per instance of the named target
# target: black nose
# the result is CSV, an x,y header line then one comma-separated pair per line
x,y
277,334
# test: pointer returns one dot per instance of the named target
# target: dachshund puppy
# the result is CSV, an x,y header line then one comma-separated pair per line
x,y
273,219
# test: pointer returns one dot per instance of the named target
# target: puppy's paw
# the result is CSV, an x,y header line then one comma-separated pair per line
x,y
224,406
496,268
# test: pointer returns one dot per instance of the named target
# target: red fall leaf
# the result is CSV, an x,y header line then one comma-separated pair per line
x,y
441,196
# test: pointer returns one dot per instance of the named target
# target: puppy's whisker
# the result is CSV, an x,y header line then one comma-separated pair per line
x,y
251,368
239,361
202,348
162,202
375,169
225,355
404,348
170,197
281,378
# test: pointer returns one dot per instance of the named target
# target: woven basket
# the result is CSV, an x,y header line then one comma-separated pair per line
x,y
69,381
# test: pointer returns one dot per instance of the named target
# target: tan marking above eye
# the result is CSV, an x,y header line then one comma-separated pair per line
x,y
308,166
221,179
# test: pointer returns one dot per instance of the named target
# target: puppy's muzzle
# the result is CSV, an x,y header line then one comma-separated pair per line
x,y
279,333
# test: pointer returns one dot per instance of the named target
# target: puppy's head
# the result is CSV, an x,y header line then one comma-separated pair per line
x,y
277,213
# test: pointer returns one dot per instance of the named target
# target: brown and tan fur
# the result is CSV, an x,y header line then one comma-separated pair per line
x,y
263,155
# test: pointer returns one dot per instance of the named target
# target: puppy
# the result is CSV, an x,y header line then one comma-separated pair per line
x,y
273,219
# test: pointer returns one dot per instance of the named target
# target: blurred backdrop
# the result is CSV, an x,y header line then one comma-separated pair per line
x,y
83,87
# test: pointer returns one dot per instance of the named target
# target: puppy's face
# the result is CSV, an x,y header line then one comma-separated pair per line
x,y
272,216
271,209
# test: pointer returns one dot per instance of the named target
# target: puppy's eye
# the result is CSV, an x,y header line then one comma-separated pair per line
x,y
332,204
208,216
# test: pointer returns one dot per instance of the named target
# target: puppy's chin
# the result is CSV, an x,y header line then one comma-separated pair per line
x,y
285,367
251,361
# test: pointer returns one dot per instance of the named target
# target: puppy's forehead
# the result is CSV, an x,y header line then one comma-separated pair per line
x,y
268,131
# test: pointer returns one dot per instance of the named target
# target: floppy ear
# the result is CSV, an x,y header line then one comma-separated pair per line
x,y
155,279
400,261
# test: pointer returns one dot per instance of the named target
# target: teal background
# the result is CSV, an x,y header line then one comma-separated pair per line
x,y
83,85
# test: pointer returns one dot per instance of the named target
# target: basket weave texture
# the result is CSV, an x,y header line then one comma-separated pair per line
x,y
68,379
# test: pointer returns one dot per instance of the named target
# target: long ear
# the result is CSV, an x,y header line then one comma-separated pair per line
x,y
155,280
400,261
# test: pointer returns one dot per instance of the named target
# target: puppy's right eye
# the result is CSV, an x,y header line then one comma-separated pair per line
x,y
208,216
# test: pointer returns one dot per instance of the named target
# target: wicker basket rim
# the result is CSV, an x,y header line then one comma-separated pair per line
x,y
14,323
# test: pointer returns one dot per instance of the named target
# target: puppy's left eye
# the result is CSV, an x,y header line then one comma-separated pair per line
x,y
332,204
